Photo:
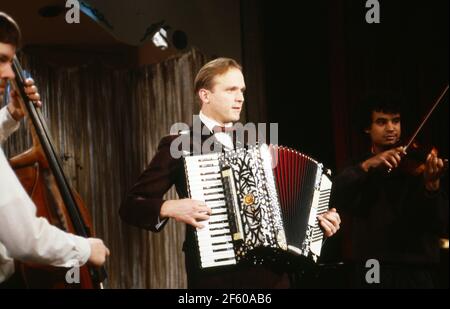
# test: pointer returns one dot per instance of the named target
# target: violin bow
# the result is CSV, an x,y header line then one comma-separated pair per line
x,y
439,99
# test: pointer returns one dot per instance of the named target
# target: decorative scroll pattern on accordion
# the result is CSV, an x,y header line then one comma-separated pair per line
x,y
255,206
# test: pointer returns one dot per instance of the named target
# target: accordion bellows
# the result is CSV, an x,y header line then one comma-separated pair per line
x,y
263,199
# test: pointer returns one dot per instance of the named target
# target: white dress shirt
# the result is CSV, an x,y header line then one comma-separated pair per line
x,y
7,124
24,236
222,137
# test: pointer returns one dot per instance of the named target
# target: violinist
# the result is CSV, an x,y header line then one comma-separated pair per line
x,y
396,216
23,235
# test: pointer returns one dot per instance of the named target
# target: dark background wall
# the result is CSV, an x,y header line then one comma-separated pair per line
x,y
322,58
297,48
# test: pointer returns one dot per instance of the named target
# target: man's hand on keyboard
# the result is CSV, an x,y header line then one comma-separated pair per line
x,y
186,210
329,222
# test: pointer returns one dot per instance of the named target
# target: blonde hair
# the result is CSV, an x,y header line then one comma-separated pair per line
x,y
206,74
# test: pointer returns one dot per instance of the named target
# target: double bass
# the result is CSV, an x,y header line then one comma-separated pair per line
x,y
40,173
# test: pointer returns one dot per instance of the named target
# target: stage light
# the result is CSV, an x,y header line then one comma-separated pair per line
x,y
160,39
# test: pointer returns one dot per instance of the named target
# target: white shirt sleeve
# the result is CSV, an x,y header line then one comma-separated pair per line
x,y
7,124
29,238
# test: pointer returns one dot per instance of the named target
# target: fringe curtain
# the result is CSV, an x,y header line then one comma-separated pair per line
x,y
106,125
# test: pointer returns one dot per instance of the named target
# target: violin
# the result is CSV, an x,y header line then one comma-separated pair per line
x,y
415,154
40,173
413,163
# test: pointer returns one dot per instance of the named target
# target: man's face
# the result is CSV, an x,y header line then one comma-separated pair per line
x,y
7,52
385,129
224,101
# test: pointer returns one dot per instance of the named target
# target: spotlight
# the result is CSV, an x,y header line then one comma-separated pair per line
x,y
160,33
160,39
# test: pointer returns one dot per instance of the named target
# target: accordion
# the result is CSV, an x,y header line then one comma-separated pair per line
x,y
263,199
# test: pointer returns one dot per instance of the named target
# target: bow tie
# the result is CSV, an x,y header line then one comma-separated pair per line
x,y
218,129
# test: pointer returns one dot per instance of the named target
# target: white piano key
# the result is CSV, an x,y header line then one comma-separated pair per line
x,y
206,189
210,191
206,250
210,255
212,236
218,209
204,175
209,197
218,225
205,170
210,248
204,230
200,183
202,178
218,262
201,164
204,186
202,158
217,218
221,263
216,203
214,256
217,255
213,240
213,197
220,239
220,232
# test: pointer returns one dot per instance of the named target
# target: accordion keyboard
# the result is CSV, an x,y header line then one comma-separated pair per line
x,y
320,203
205,184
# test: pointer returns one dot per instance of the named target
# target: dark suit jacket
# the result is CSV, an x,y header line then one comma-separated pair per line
x,y
142,205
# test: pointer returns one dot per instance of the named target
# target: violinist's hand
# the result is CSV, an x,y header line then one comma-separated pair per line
x,y
389,159
434,167
330,222
14,107
99,252
186,210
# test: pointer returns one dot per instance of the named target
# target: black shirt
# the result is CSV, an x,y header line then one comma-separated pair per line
x,y
394,219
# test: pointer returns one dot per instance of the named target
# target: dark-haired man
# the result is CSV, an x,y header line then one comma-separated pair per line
x,y
397,216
